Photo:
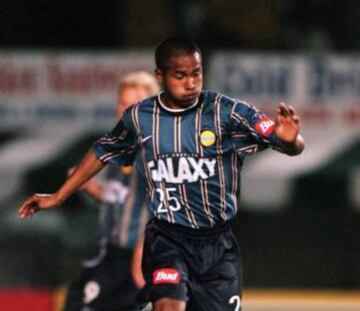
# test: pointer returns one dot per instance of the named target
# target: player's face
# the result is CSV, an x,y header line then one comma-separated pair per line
x,y
128,96
182,81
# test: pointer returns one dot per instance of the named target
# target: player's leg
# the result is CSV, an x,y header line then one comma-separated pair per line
x,y
168,304
97,288
94,290
219,289
75,294
165,272
216,297
123,294
88,291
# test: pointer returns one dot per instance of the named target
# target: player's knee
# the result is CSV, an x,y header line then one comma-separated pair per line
x,y
167,304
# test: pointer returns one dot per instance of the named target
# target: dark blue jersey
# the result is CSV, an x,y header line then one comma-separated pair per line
x,y
192,157
123,214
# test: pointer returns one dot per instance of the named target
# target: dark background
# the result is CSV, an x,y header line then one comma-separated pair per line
x,y
314,242
246,24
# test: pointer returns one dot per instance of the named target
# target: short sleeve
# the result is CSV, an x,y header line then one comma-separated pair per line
x,y
252,130
119,147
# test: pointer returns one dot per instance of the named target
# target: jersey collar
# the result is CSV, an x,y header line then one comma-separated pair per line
x,y
162,105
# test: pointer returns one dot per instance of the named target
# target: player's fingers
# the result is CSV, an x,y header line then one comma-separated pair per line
x,y
25,204
30,212
24,212
28,207
296,119
280,107
280,119
291,110
277,119
284,110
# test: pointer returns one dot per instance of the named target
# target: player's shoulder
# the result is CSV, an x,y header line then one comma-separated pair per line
x,y
146,104
142,106
225,101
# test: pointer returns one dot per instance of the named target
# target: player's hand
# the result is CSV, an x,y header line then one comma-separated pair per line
x,y
36,203
287,124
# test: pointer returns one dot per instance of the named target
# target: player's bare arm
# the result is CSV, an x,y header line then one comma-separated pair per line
x,y
93,187
88,167
287,129
136,271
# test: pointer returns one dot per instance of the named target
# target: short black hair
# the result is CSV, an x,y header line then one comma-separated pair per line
x,y
174,47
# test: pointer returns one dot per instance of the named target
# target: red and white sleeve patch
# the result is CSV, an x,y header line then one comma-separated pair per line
x,y
166,275
265,126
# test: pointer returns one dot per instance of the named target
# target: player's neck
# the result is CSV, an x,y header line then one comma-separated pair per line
x,y
172,105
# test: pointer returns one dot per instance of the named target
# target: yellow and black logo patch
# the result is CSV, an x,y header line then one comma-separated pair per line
x,y
207,138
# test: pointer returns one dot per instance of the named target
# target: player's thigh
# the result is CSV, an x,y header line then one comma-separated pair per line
x,y
220,289
92,290
164,269
74,296
77,290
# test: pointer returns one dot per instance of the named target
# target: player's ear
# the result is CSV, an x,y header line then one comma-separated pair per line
x,y
159,75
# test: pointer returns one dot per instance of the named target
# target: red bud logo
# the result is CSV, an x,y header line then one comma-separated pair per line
x,y
170,276
265,126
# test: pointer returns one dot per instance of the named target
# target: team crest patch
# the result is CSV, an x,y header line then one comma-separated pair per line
x,y
166,276
265,126
207,138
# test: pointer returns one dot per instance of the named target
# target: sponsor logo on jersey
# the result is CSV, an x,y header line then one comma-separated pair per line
x,y
265,126
166,275
182,169
207,138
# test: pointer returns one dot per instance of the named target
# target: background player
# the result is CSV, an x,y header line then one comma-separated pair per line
x,y
112,280
192,144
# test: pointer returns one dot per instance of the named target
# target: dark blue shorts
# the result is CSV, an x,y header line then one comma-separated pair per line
x,y
201,267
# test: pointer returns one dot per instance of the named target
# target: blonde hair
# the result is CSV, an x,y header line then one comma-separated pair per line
x,y
140,78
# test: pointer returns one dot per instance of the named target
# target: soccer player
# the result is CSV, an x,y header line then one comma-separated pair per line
x,y
192,144
112,280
